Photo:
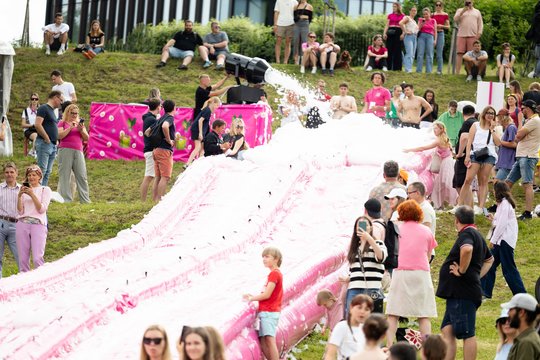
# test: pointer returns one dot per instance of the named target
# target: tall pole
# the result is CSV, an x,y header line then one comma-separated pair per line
x,y
25,40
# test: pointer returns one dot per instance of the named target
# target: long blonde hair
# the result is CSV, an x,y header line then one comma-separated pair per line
x,y
99,32
483,120
66,116
234,126
212,100
166,351
443,136
218,348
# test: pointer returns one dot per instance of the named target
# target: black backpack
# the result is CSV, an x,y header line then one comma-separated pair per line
x,y
156,132
391,241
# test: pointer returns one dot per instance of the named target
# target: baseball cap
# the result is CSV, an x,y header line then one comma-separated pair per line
x,y
373,208
504,314
530,104
522,301
404,174
396,192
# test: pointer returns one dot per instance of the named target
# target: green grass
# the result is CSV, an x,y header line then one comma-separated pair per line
x,y
114,185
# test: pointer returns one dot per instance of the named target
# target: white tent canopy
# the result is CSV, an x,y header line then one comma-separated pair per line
x,y
6,71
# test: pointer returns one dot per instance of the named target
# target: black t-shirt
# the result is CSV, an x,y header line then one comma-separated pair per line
x,y
187,40
148,120
50,122
211,144
466,286
95,40
201,95
172,131
532,95
465,128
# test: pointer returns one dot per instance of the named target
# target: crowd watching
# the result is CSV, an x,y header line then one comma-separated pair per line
x,y
393,242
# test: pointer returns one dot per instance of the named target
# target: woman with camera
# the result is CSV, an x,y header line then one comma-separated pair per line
x,y
480,157
393,35
366,264
72,134
31,227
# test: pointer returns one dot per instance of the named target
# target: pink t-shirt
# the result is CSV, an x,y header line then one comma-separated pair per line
x,y
43,193
394,19
416,243
379,51
334,314
429,27
377,96
440,18
306,45
73,140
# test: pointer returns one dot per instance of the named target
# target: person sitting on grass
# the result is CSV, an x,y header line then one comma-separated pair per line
x,y
213,143
329,51
475,62
215,47
95,40
505,65
377,54
55,35
182,46
310,51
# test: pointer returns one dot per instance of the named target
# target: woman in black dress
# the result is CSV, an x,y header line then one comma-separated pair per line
x,y
201,127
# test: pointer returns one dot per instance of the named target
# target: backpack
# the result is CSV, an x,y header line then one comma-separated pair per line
x,y
391,241
156,132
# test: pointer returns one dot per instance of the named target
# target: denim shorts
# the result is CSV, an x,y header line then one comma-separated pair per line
x,y
268,323
461,315
177,53
502,174
217,53
523,169
488,160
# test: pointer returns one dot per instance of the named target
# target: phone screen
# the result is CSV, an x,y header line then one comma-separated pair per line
x,y
185,330
362,225
26,184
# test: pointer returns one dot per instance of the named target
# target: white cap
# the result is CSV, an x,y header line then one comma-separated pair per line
x,y
396,192
522,301
504,314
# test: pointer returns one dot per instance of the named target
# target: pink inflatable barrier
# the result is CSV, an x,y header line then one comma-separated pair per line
x,y
116,129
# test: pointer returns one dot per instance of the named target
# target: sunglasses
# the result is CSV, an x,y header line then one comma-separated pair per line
x,y
312,37
490,113
74,113
239,127
148,341
438,5
34,99
503,320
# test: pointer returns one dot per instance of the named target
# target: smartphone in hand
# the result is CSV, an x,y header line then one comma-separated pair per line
x,y
27,184
362,225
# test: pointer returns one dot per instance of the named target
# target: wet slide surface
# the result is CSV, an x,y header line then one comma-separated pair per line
x,y
189,261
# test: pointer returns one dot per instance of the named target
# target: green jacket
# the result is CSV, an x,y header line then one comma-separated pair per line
x,y
526,346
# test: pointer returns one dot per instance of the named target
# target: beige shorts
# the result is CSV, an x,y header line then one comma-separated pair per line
x,y
149,164
285,31
465,44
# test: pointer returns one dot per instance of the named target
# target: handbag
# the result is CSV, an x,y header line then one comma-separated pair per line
x,y
483,153
435,165
392,31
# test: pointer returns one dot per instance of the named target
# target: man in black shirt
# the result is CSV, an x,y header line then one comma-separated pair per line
x,y
149,119
163,152
205,91
182,46
213,144
459,283
460,170
47,130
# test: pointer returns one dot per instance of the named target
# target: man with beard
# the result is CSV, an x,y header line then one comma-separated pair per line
x,y
523,310
183,46
459,283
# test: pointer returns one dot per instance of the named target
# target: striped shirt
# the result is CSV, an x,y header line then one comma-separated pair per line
x,y
374,270
8,200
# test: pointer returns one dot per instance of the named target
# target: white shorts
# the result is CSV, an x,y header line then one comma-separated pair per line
x,y
149,164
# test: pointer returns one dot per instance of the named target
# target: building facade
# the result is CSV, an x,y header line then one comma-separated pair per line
x,y
119,17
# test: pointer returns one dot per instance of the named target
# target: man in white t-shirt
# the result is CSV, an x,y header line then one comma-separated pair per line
x,y
66,88
55,35
417,192
284,27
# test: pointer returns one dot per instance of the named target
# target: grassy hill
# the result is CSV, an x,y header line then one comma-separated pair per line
x,y
114,185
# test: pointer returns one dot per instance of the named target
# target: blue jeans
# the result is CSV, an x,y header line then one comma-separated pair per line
x,y
503,255
440,50
375,294
7,234
425,47
523,169
537,55
46,153
410,51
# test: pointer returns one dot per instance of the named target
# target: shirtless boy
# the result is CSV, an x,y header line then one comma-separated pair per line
x,y
343,104
411,107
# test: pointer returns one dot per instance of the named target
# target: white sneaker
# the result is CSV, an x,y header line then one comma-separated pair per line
x,y
314,70
369,68
508,85
60,52
453,210
302,69
48,52
469,78
384,68
478,210
478,78
531,75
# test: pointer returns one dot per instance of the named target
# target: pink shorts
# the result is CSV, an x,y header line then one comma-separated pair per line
x,y
465,44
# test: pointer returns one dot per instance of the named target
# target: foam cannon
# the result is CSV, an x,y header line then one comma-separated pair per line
x,y
251,69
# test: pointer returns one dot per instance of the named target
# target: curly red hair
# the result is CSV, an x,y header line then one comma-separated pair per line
x,y
410,211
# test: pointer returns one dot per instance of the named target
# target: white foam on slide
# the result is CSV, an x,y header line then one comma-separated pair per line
x,y
194,255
